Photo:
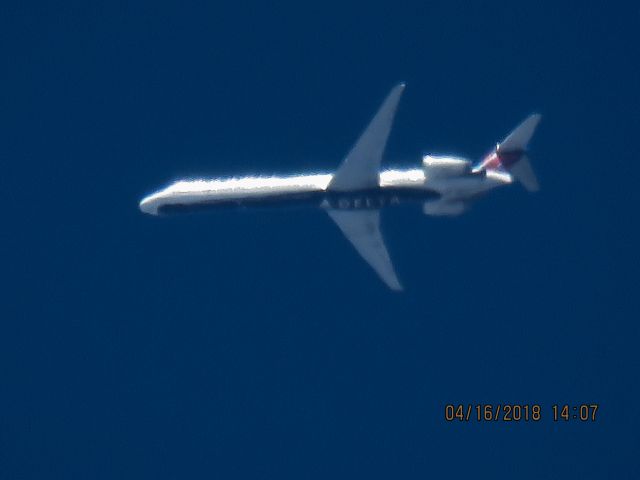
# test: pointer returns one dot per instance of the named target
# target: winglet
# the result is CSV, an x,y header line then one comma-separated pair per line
x,y
361,168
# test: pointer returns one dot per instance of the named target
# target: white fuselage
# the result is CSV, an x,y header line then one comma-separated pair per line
x,y
435,186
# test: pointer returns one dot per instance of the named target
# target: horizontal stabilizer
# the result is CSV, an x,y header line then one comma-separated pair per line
x,y
523,172
517,140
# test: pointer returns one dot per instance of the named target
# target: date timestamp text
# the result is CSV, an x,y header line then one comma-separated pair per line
x,y
506,412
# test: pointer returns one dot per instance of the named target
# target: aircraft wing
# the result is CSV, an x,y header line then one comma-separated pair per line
x,y
361,168
362,228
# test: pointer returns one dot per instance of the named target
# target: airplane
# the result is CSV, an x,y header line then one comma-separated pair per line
x,y
354,195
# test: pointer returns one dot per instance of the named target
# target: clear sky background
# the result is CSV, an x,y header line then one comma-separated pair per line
x,y
258,344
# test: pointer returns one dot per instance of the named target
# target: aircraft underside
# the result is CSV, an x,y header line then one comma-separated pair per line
x,y
370,199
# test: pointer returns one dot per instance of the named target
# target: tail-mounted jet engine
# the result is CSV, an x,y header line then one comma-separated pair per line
x,y
442,167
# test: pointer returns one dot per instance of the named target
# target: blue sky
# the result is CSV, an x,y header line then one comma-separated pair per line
x,y
258,344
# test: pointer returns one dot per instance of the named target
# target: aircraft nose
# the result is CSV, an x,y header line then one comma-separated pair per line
x,y
147,205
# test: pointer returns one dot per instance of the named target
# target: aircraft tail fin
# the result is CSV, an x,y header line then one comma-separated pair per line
x,y
512,153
